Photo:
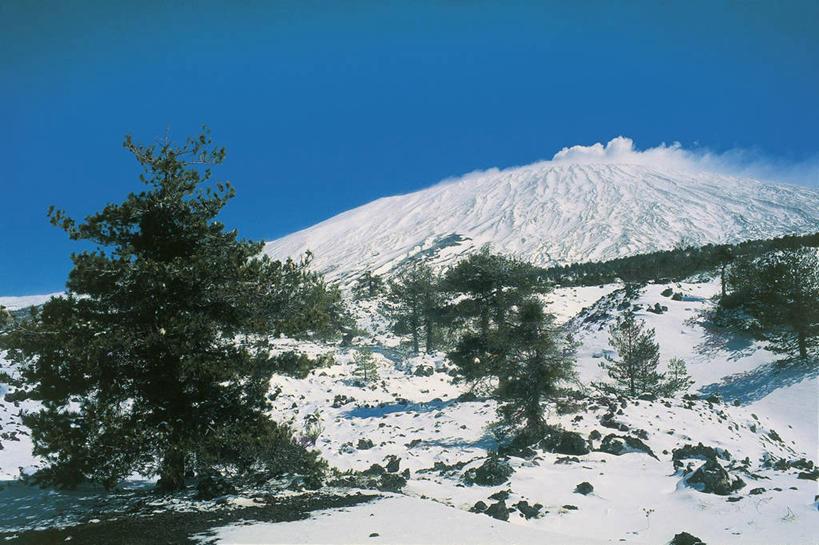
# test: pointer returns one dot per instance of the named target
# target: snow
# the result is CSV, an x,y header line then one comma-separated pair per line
x,y
23,301
396,519
553,213
636,498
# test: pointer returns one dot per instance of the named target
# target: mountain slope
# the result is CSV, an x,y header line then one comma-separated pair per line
x,y
553,213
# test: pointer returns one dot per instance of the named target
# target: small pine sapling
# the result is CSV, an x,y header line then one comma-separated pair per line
x,y
366,370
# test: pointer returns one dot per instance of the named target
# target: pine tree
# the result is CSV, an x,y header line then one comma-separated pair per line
x,y
365,367
368,286
780,290
536,358
638,355
416,301
487,287
154,361
677,378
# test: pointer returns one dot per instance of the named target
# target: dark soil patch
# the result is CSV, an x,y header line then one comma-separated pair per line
x,y
173,527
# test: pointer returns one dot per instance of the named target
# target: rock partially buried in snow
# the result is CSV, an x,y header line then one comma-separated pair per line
x,y
498,510
584,488
684,538
621,444
714,479
564,442
491,473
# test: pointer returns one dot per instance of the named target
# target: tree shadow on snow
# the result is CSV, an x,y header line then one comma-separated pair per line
x,y
751,386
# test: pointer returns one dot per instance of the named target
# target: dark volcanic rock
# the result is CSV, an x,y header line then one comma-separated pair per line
x,y
584,488
564,442
684,538
621,444
498,510
491,473
714,479
699,451
528,511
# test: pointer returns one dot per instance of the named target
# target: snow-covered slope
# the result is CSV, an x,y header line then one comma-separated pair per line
x,y
553,212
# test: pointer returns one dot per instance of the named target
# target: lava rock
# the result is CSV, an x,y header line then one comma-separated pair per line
x,y
528,511
393,463
715,479
498,510
584,488
621,444
213,486
700,451
502,495
491,473
684,538
564,442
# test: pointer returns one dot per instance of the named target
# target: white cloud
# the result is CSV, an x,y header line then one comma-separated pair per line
x,y
734,162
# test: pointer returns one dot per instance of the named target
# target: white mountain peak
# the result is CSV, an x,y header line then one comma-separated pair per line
x,y
587,203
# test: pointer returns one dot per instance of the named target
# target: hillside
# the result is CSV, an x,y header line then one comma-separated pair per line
x,y
414,418
552,213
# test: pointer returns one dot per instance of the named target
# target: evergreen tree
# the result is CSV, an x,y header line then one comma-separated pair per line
x,y
780,290
487,288
416,305
149,363
676,378
536,358
5,317
365,367
368,286
635,369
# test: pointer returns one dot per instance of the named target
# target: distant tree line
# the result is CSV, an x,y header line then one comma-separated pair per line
x,y
673,265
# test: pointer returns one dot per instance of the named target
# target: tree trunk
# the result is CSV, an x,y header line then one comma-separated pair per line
x,y
428,328
803,345
722,278
172,472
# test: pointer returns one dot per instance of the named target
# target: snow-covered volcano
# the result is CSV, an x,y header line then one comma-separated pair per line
x,y
554,212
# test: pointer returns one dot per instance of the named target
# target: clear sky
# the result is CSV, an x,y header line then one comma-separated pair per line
x,y
324,106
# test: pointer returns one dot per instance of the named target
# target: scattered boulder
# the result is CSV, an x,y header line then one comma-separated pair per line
x,y
594,435
498,510
715,480
667,292
677,297
491,473
213,486
375,469
684,538
365,444
570,507
424,371
564,442
584,488
341,400
479,507
391,482
809,475
393,463
528,511
502,495
621,444
700,451
756,491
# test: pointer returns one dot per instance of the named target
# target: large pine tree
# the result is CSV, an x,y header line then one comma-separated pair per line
x,y
154,361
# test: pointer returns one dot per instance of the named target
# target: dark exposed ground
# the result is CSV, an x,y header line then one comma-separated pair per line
x,y
176,527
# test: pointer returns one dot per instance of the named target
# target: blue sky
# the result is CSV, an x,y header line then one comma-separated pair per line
x,y
325,106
